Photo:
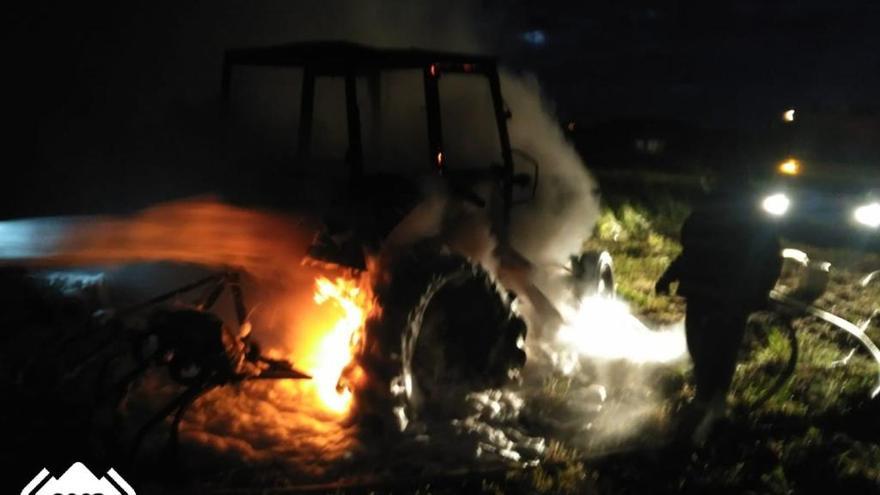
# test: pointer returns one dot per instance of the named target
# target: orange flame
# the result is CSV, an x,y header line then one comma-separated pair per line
x,y
321,327
337,347
329,336
201,231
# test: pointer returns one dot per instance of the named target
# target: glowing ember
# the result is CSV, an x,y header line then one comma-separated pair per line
x,y
336,347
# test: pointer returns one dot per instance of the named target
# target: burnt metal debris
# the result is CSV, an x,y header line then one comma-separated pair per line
x,y
199,352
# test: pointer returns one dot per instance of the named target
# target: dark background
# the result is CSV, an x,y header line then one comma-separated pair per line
x,y
110,107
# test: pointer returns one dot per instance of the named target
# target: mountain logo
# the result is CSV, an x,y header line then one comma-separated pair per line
x,y
78,480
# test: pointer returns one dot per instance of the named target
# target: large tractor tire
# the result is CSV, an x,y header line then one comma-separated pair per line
x,y
461,336
446,329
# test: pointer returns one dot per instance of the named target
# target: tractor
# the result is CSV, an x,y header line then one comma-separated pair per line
x,y
398,174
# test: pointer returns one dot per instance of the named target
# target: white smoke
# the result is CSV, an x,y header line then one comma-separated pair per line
x,y
564,211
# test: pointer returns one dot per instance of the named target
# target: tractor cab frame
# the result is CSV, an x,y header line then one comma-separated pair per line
x,y
350,61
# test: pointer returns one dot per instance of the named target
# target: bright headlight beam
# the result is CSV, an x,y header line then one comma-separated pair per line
x,y
868,215
776,204
790,167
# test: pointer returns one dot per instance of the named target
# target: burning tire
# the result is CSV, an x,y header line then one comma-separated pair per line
x,y
461,336
447,329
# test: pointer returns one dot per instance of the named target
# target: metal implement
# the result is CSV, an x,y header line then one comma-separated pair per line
x,y
199,352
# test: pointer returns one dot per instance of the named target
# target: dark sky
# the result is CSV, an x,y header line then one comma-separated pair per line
x,y
712,62
107,101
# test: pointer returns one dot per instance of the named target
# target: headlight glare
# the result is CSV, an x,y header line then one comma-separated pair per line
x,y
868,215
776,204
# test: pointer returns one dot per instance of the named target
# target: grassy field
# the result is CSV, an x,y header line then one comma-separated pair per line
x,y
818,432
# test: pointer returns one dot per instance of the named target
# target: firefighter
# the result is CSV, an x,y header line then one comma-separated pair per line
x,y
730,261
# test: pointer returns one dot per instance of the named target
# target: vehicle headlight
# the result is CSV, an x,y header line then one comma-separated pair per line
x,y
776,204
868,214
792,166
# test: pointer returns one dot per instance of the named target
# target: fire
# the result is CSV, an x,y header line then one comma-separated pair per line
x,y
200,231
320,319
338,343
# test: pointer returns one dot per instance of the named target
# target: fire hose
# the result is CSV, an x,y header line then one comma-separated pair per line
x,y
856,331
798,302
875,275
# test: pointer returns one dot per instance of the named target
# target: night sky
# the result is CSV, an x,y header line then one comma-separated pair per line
x,y
715,63
113,107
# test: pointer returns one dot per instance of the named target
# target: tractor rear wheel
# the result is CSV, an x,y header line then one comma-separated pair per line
x,y
461,336
446,328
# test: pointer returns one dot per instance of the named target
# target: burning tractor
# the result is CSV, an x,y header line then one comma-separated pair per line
x,y
419,194
412,220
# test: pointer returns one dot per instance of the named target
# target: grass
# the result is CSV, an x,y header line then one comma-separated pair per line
x,y
818,433
641,254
